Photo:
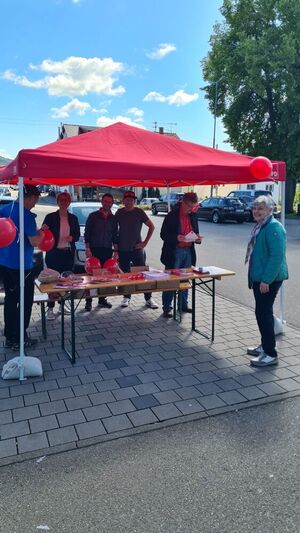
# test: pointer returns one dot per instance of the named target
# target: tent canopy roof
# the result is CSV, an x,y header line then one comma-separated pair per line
x,y
122,155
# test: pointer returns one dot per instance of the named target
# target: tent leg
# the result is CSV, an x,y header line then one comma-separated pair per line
x,y
22,278
282,219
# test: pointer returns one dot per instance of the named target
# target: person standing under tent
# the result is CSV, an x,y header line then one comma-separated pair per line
x,y
10,268
177,252
66,230
98,238
128,241
266,255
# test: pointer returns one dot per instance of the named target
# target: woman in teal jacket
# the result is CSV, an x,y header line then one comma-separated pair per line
x,y
267,270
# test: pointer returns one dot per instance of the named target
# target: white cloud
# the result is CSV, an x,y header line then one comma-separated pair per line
x,y
4,153
178,99
162,50
137,113
74,76
74,105
107,121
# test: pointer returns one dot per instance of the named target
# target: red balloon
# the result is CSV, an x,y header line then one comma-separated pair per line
x,y
111,264
261,167
47,241
8,232
91,263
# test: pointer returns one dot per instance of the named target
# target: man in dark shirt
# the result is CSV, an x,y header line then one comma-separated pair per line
x,y
98,238
128,240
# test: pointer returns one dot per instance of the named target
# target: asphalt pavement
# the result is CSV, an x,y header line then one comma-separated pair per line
x,y
232,473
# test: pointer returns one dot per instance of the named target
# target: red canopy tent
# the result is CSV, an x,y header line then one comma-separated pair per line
x,y
121,155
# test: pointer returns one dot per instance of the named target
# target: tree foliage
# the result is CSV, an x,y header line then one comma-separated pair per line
x,y
255,61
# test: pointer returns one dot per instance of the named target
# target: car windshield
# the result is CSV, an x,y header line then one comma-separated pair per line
x,y
82,212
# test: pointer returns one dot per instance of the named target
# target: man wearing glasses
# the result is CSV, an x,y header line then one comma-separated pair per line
x,y
178,251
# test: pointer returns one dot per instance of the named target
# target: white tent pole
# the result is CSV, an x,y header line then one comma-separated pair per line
x,y
282,219
22,278
168,198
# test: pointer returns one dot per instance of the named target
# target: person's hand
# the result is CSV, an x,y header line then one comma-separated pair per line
x,y
115,254
140,245
69,238
88,252
263,287
181,238
44,227
199,239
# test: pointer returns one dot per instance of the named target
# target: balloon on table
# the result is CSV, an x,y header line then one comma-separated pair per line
x,y
261,167
91,263
8,232
47,241
111,264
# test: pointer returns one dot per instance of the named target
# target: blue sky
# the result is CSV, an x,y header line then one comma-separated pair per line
x,y
94,62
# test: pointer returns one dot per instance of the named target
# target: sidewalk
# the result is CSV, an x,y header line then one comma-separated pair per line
x,y
136,371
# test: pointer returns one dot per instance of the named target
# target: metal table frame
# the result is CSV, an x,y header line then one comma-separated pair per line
x,y
206,283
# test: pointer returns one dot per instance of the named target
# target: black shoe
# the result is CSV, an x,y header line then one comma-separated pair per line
x,y
88,306
186,310
167,314
28,343
102,302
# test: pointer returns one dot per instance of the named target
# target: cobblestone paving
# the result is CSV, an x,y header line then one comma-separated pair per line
x,y
134,371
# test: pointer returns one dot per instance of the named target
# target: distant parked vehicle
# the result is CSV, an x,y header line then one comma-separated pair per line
x,y
217,209
161,205
82,210
248,196
5,191
148,201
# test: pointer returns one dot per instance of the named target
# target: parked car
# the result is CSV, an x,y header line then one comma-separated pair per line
x,y
219,209
82,210
161,205
148,201
254,193
4,191
248,196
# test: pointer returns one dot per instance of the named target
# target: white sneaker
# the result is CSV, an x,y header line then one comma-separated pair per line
x,y
50,314
264,360
151,303
125,302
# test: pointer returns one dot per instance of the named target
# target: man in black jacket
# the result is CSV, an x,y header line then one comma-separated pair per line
x,y
178,250
98,236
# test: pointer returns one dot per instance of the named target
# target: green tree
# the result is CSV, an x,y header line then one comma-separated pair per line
x,y
255,61
157,193
144,193
151,192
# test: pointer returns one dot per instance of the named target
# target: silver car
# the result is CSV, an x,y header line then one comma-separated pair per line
x,y
82,210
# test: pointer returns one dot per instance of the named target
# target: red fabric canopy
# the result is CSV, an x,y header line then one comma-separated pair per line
x,y
121,155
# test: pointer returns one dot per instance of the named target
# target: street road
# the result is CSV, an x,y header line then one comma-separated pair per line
x,y
225,245
233,473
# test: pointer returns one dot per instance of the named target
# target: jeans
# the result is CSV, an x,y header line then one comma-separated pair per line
x,y
135,258
11,280
183,259
264,315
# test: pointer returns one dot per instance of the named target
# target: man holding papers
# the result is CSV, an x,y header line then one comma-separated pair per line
x,y
180,233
